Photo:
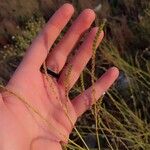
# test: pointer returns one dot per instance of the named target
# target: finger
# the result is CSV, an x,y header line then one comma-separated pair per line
x,y
82,102
57,58
38,51
80,60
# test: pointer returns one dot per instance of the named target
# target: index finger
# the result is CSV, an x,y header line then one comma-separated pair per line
x,y
37,52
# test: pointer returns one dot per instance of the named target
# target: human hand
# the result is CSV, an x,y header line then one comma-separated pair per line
x,y
21,128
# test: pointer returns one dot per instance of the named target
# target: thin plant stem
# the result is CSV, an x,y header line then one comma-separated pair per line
x,y
94,47
64,106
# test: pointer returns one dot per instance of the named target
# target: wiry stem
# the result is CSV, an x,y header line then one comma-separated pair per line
x,y
94,47
64,106
32,108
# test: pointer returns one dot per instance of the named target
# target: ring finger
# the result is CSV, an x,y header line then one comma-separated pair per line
x,y
80,60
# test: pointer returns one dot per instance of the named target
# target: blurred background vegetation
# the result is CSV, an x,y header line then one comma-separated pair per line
x,y
123,117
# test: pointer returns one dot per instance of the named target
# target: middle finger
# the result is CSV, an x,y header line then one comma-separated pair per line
x,y
57,57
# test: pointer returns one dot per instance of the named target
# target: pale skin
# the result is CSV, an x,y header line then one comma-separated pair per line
x,y
22,129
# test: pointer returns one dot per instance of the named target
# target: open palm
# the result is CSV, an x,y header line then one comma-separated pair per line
x,y
21,128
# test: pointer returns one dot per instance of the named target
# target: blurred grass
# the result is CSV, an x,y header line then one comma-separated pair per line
x,y
123,117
